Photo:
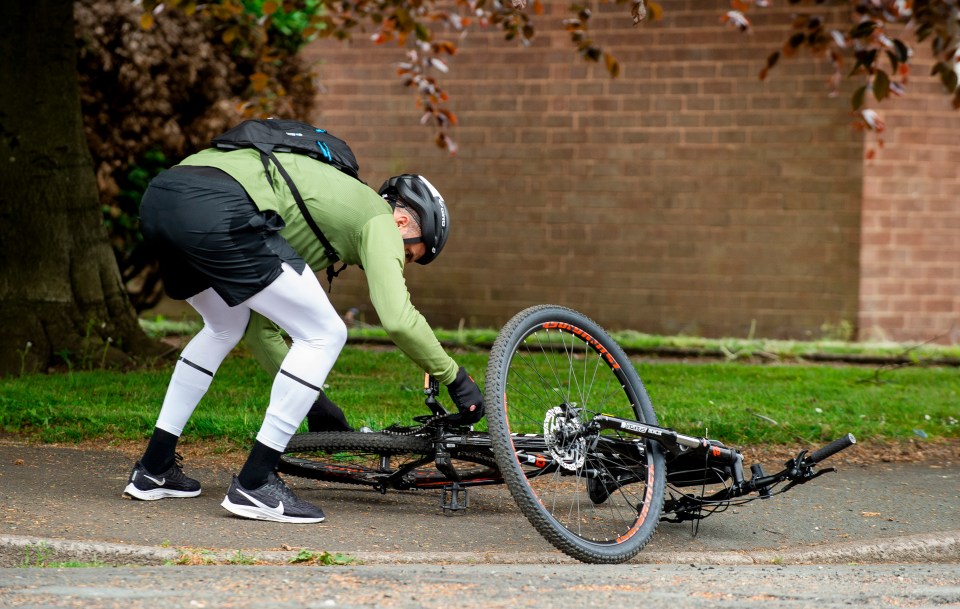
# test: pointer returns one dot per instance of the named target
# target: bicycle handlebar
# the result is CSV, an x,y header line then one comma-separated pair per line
x,y
830,449
799,469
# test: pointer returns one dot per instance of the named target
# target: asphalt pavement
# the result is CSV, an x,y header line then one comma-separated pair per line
x,y
660,586
61,503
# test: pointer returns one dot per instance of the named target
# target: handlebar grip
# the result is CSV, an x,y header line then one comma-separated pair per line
x,y
831,449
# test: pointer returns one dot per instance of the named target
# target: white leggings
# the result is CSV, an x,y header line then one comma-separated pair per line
x,y
296,303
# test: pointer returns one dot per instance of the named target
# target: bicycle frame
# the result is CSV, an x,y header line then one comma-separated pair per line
x,y
531,451
707,461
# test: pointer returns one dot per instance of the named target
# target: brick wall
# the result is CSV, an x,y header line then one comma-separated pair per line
x,y
910,262
684,196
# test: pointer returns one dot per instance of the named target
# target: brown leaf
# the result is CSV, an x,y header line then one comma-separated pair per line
x,y
773,58
230,34
654,11
259,81
881,85
613,66
450,116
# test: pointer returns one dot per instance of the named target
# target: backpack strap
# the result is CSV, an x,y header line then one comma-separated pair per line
x,y
267,155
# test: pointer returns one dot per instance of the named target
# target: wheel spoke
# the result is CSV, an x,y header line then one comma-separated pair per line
x,y
551,371
378,459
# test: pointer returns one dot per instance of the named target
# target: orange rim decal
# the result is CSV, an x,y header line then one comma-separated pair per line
x,y
559,325
642,517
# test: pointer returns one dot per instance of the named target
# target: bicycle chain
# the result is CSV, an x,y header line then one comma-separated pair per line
x,y
397,430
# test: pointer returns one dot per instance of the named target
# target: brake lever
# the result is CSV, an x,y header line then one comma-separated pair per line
x,y
807,475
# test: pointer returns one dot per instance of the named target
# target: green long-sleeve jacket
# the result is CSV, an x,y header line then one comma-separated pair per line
x,y
359,225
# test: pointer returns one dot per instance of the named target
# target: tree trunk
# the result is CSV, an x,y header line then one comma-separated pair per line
x,y
61,297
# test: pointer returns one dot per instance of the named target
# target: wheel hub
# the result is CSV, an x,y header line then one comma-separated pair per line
x,y
563,433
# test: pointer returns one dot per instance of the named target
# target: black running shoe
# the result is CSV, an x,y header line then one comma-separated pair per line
x,y
171,483
272,501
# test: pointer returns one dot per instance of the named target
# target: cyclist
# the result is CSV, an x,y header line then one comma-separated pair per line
x,y
231,240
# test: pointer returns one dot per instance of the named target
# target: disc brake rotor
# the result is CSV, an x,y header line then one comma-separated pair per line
x,y
563,437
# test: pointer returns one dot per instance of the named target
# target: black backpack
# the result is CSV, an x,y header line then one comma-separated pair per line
x,y
275,135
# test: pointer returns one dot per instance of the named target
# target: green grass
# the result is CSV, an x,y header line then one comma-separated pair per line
x,y
38,556
830,345
750,404
313,557
735,402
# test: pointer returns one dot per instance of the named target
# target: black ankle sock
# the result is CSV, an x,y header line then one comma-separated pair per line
x,y
160,450
260,463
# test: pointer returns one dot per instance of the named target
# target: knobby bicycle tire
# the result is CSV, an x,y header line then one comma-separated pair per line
x,y
369,459
550,371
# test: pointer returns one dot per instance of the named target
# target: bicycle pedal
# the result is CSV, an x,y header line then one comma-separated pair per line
x,y
453,498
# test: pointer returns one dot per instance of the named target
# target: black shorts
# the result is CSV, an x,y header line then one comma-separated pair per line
x,y
207,233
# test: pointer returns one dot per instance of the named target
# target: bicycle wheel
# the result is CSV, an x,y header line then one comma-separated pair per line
x,y
597,496
380,460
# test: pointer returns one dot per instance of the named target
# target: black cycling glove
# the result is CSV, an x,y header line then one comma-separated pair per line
x,y
468,399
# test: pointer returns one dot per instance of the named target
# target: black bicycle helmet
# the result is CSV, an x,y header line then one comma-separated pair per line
x,y
418,194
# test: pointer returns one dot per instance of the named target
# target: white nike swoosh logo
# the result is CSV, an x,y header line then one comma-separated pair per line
x,y
273,510
159,482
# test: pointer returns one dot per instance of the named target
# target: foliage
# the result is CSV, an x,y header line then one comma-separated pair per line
x,y
415,26
315,558
139,269
880,57
153,95
874,41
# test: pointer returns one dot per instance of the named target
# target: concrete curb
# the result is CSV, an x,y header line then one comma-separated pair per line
x,y
16,551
